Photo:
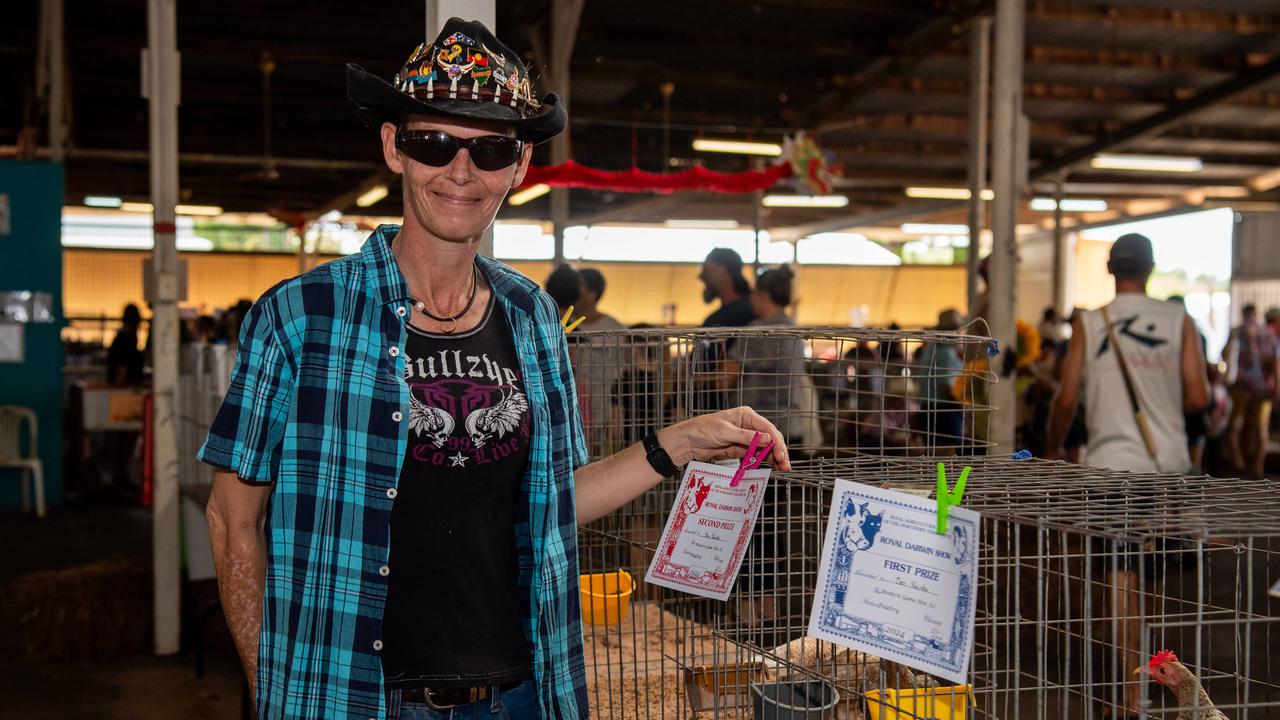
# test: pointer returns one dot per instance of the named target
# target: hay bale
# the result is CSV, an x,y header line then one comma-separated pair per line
x,y
91,612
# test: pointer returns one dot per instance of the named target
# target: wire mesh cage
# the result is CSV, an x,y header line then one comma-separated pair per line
x,y
830,391
1083,573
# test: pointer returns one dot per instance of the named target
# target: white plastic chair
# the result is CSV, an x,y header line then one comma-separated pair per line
x,y
11,456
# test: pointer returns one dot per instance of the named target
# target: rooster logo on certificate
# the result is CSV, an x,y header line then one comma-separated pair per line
x,y
708,531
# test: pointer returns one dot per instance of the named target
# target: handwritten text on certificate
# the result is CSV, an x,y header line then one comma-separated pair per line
x,y
708,531
890,585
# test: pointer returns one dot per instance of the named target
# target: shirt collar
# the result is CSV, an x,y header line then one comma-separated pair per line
x,y
384,274
388,282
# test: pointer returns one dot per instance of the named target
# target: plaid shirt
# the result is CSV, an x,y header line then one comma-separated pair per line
x,y
319,407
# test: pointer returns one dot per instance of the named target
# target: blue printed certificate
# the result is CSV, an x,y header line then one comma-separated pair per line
x,y
890,585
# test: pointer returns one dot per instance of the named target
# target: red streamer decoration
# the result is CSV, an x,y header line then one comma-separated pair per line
x,y
572,174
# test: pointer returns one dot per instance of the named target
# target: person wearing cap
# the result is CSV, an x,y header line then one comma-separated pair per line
x,y
401,462
1160,354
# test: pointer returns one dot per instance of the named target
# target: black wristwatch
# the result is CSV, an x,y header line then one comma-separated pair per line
x,y
658,458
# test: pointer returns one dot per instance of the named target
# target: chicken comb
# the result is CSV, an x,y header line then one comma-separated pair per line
x,y
1161,658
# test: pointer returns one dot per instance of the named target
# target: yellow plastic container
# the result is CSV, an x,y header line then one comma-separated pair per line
x,y
606,597
942,703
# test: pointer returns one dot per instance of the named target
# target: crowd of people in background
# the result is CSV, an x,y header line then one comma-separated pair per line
x,y
901,398
882,399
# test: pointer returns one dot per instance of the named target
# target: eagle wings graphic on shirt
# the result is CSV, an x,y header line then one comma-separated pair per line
x,y
463,402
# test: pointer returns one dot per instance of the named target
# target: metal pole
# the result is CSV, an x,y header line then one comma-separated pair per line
x,y
979,109
1007,109
439,11
437,14
57,84
160,86
1059,252
564,29
667,89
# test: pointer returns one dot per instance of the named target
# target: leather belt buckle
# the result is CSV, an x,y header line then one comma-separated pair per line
x,y
448,698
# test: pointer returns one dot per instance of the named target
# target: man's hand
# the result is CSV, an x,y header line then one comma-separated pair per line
x,y
721,436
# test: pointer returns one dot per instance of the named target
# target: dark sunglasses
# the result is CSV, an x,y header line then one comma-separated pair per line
x,y
437,148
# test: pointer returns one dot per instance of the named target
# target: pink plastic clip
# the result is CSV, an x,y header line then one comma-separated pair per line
x,y
752,459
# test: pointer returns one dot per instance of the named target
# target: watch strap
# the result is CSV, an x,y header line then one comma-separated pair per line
x,y
658,458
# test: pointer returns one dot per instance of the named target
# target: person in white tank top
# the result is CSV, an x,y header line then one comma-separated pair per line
x,y
1166,369
1166,372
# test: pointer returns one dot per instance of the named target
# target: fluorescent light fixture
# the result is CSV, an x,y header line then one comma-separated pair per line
x,y
1228,191
1266,181
1047,204
145,207
521,197
741,147
1147,163
934,229
947,193
372,196
806,201
101,201
702,224
205,210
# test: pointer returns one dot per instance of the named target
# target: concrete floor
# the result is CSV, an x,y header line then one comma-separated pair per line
x,y
143,688
135,687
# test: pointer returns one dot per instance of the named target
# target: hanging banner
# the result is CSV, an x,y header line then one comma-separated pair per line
x,y
575,175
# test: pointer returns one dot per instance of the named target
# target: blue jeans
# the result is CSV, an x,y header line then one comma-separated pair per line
x,y
518,703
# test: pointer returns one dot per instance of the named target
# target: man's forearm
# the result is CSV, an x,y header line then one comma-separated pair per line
x,y
240,557
1060,419
608,484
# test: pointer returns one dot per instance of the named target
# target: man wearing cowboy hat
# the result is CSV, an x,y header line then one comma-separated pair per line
x,y
394,520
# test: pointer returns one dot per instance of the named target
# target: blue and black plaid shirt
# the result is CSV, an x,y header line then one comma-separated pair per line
x,y
319,407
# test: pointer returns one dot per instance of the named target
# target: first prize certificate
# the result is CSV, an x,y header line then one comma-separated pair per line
x,y
890,585
708,531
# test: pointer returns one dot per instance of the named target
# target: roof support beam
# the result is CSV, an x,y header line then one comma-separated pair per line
x,y
926,40
1156,124
1149,127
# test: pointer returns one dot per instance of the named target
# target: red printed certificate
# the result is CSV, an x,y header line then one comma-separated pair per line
x,y
708,531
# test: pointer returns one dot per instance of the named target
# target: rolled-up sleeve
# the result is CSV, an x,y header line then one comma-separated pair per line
x,y
248,430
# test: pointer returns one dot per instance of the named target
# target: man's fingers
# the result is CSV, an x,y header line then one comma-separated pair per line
x,y
755,422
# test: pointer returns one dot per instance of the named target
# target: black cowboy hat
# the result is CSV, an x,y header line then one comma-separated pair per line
x,y
465,73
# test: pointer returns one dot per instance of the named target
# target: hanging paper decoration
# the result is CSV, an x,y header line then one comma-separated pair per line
x,y
802,159
809,164
573,174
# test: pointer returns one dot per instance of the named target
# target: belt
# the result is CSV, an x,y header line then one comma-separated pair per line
x,y
448,697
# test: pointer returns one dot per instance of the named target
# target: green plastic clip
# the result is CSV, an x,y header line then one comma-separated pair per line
x,y
947,497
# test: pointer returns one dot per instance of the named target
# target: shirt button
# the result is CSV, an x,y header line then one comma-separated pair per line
x,y
396,416
393,351
384,571
377,644
392,492
401,311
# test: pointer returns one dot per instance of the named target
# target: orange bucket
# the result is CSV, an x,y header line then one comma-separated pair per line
x,y
606,597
